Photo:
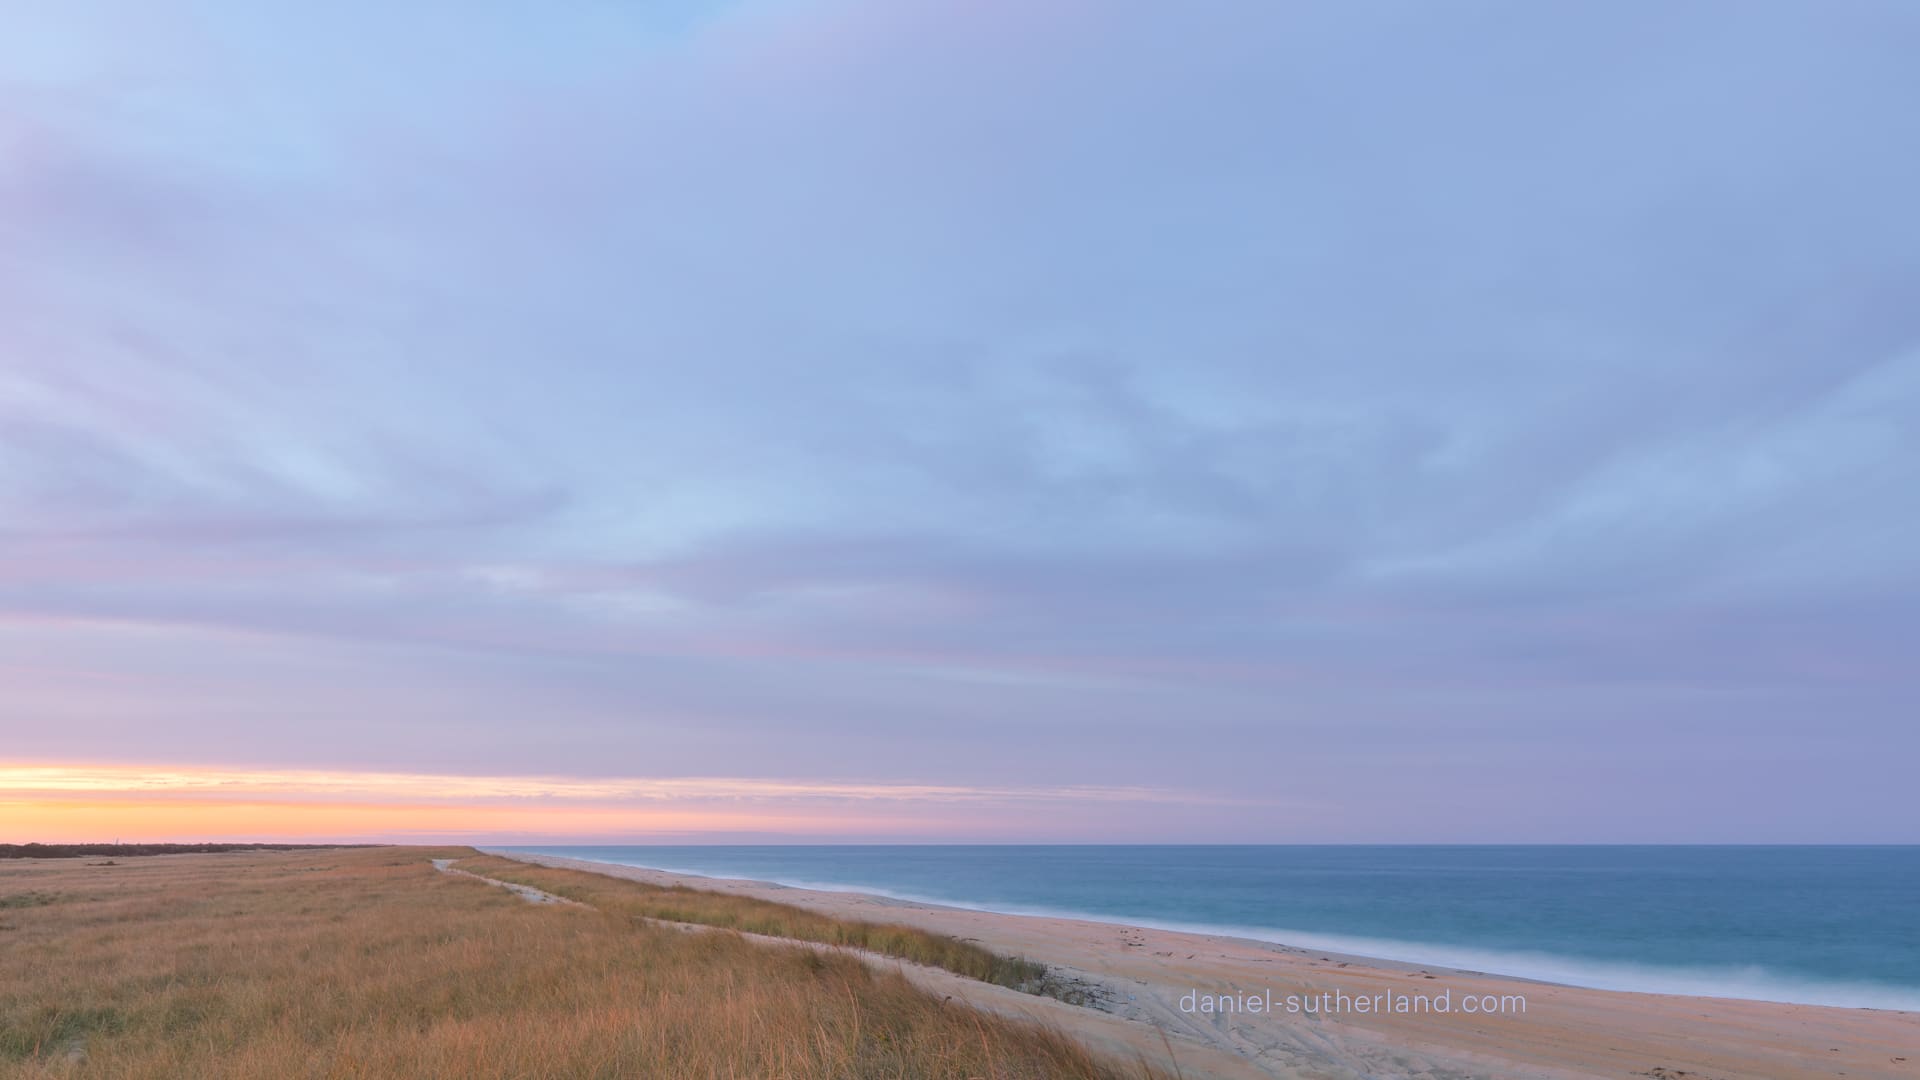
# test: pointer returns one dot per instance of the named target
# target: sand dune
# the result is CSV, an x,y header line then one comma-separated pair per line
x,y
1141,980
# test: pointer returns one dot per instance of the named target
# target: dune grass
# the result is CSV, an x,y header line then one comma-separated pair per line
x,y
639,900
369,963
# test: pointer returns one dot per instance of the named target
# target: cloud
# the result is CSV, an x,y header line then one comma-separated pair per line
x,y
803,376
306,784
131,799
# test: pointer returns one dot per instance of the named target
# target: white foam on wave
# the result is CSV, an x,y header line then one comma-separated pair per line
x,y
1749,982
1752,983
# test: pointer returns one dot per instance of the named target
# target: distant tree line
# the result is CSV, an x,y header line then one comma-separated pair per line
x,y
68,851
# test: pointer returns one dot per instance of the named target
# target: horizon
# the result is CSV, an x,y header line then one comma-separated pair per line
x,y
604,843
744,420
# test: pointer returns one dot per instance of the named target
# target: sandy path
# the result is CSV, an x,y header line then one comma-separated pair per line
x,y
1141,976
525,892
1116,1037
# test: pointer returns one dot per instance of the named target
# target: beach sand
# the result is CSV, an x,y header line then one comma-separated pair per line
x,y
1138,978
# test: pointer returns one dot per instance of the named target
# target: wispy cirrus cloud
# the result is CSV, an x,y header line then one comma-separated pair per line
x,y
149,780
726,389
87,801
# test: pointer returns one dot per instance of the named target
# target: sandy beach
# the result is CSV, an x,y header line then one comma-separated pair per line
x,y
1150,989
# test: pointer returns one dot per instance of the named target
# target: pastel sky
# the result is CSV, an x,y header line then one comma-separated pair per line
x,y
1050,420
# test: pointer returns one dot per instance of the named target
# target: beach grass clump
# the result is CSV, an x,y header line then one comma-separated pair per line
x,y
750,915
369,963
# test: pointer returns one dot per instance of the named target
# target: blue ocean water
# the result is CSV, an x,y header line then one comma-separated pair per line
x,y
1816,925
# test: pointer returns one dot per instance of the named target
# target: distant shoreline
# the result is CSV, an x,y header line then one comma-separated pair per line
x,y
1169,900
1143,974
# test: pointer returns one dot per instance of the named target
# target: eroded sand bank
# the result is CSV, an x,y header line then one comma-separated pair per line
x,y
1139,977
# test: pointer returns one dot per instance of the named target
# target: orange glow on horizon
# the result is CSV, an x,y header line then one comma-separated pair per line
x,y
193,820
93,803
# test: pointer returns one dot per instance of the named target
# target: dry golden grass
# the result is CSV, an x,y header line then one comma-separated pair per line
x,y
368,963
639,900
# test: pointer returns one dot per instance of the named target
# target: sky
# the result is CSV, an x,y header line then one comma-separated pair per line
x,y
941,421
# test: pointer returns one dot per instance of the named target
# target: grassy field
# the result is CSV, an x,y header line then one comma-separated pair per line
x,y
369,963
679,904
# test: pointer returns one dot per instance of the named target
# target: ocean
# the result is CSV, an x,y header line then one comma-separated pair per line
x,y
1814,925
